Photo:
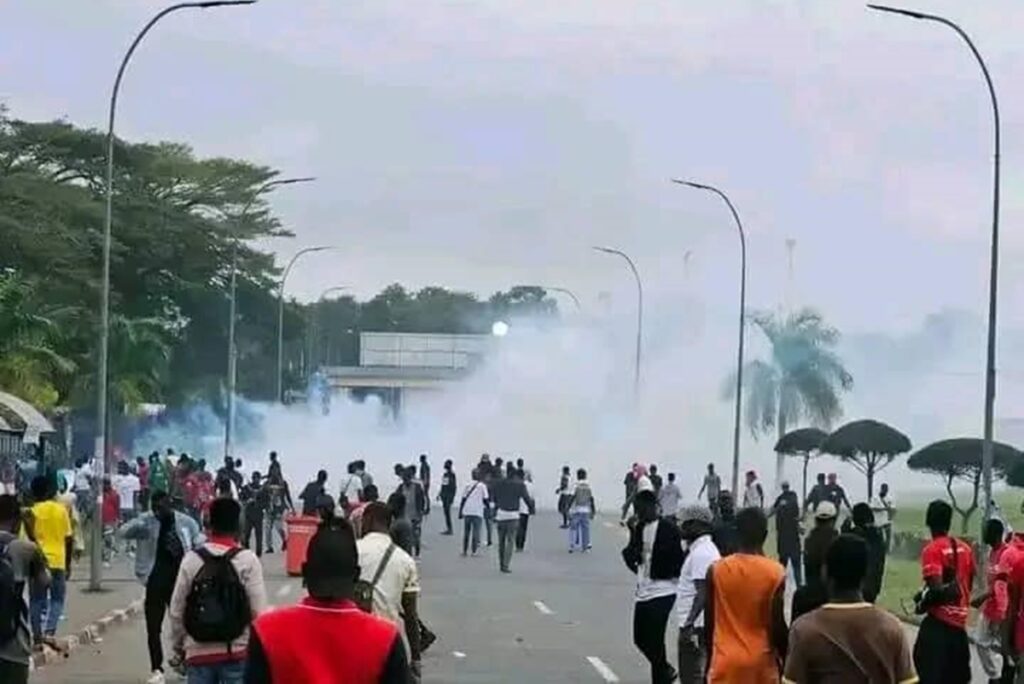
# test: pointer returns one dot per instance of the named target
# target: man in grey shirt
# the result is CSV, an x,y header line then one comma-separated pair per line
x,y
506,494
29,564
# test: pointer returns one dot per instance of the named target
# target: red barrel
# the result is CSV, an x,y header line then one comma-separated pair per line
x,y
300,529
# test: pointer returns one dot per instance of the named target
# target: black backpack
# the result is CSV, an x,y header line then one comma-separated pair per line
x,y
12,607
217,608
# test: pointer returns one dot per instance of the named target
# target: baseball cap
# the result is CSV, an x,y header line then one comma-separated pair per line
x,y
825,511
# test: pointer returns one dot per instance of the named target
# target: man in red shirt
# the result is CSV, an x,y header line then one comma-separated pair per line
x,y
327,639
110,516
941,652
1013,561
993,602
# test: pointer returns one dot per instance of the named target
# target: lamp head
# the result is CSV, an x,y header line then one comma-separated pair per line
x,y
898,10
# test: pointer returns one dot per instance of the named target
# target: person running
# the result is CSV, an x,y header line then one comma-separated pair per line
x,y
941,652
28,566
393,576
696,524
669,497
564,494
507,494
471,511
881,505
993,602
326,638
415,497
814,594
848,639
786,511
253,497
279,502
163,537
51,529
713,486
449,486
312,495
525,510
425,480
582,510
745,616
864,527
655,554
219,591
753,493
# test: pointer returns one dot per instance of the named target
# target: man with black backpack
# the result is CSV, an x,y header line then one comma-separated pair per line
x,y
21,561
218,593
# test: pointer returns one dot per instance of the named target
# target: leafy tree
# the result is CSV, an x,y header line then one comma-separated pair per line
x,y
802,380
868,445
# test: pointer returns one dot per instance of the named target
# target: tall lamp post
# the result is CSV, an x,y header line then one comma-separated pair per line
x,y
993,277
319,314
280,316
229,422
639,312
742,322
99,466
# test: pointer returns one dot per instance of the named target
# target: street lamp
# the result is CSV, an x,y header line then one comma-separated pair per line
x,y
639,312
993,280
566,291
229,422
739,346
317,317
99,466
499,329
280,316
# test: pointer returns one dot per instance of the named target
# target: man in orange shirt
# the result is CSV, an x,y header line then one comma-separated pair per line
x,y
745,618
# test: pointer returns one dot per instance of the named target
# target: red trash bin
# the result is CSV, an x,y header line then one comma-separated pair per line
x,y
300,529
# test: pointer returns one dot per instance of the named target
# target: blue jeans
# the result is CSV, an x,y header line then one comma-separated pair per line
x,y
219,673
48,601
579,531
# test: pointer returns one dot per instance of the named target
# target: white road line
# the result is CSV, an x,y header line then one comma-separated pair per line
x,y
543,608
458,654
609,525
285,590
602,669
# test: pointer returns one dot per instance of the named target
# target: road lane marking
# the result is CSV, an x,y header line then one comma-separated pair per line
x,y
609,524
284,590
458,654
543,608
602,669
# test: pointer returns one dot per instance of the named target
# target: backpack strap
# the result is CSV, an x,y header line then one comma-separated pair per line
x,y
383,565
203,553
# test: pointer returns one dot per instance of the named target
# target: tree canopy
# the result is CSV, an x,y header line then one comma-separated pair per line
x,y
868,445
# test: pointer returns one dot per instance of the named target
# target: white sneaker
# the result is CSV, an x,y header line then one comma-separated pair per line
x,y
156,678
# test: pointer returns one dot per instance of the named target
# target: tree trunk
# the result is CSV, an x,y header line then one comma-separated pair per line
x,y
807,460
870,471
780,463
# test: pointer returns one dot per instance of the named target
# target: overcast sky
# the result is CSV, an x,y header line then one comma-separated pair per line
x,y
486,143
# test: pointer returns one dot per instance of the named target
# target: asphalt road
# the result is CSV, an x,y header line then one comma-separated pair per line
x,y
556,618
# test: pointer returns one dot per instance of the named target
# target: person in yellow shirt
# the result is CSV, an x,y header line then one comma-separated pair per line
x,y
51,530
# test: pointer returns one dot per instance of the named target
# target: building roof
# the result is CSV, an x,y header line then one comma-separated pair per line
x,y
17,415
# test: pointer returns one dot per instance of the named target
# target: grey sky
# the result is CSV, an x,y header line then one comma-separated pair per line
x,y
480,144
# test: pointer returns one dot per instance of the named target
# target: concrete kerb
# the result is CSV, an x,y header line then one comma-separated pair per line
x,y
90,634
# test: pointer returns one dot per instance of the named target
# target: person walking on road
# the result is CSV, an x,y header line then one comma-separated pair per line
x,y
425,480
525,510
219,591
415,497
326,638
27,566
51,529
713,486
449,486
564,494
279,502
474,504
163,537
655,555
745,616
691,600
669,497
582,510
253,498
393,577
786,511
942,653
848,639
629,482
351,488
508,493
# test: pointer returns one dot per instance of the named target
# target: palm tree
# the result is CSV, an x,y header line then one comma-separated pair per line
x,y
800,382
30,364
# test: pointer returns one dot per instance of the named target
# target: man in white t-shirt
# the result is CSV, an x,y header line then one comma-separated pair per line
x,y
753,495
351,488
393,573
474,503
697,523
128,487
881,506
